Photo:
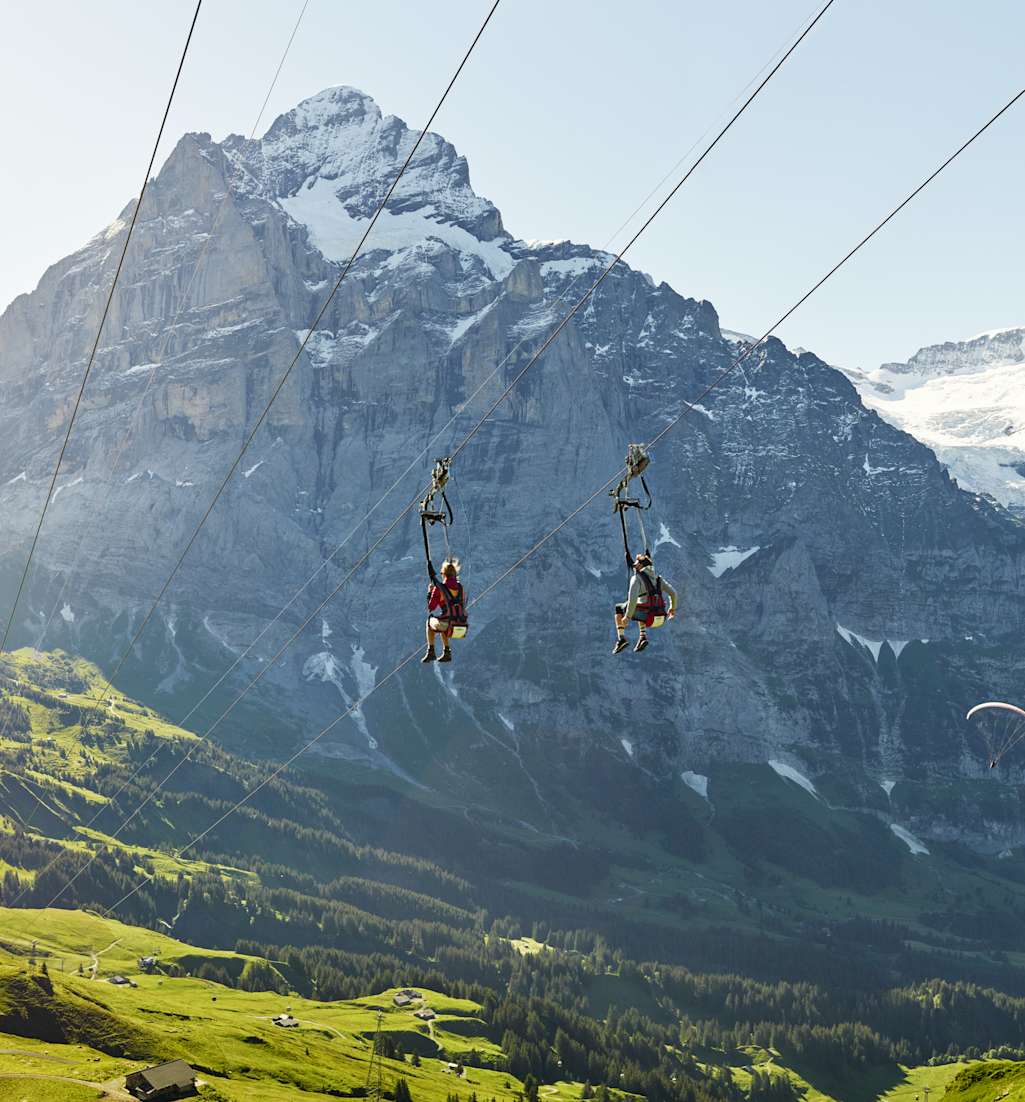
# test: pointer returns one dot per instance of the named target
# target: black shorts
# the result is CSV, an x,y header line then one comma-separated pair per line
x,y
621,611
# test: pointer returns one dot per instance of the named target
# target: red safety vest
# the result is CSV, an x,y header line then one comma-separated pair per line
x,y
651,607
452,610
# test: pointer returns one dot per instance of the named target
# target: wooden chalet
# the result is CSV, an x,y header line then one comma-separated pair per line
x,y
162,1083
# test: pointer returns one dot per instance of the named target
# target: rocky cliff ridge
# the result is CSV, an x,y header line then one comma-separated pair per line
x,y
845,600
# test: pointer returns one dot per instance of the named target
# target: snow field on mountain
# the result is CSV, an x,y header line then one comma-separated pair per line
x,y
789,773
696,782
873,645
913,843
728,558
336,233
966,401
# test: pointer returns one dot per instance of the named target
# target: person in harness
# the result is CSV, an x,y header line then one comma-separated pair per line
x,y
446,611
645,602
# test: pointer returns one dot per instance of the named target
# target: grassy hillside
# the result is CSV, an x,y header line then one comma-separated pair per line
x,y
96,1031
987,1081
58,1025
62,1019
710,957
73,776
666,874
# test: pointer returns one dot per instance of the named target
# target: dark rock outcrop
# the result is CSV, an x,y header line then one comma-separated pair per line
x,y
844,601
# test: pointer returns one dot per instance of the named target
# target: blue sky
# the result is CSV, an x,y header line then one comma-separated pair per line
x,y
569,113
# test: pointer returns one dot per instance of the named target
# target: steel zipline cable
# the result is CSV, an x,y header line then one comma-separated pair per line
x,y
413,464
99,333
617,259
689,408
99,699
158,362
250,436
270,663
183,303
417,460
778,64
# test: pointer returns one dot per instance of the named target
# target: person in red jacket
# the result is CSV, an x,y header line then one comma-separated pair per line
x,y
446,608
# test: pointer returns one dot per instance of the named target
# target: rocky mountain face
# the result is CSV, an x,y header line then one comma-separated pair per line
x,y
844,600
966,400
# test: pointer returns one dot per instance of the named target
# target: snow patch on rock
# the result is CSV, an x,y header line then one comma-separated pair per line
x,y
664,536
219,636
917,847
464,325
447,683
362,671
853,638
336,233
67,486
366,678
870,470
697,782
789,773
728,558
874,646
574,266
180,671
325,667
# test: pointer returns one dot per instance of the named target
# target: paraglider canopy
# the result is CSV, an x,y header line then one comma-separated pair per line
x,y
1000,725
999,704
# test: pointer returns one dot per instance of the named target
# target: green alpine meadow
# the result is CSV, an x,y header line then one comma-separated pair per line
x,y
512,552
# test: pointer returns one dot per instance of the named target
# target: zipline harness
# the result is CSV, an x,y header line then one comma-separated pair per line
x,y
453,610
651,608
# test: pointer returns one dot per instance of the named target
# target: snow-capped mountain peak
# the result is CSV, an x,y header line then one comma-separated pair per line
x,y
328,161
838,517
341,136
994,347
966,400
